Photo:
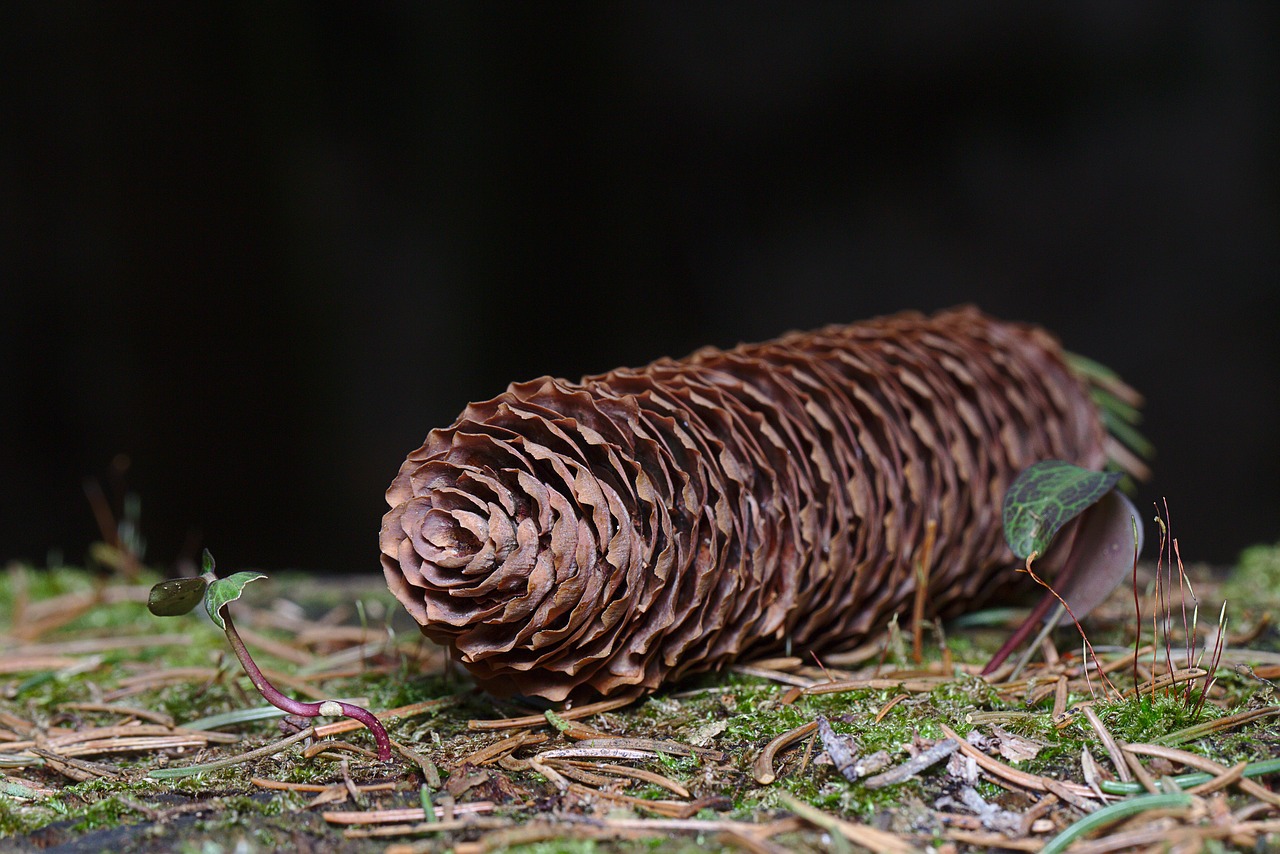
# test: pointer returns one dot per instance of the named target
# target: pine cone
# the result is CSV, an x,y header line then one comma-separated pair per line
x,y
579,539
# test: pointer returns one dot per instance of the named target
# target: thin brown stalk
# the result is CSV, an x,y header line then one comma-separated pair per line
x,y
998,841
772,675
398,714
1137,605
1079,628
1174,678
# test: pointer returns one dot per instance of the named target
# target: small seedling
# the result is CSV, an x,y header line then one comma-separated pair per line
x,y
1041,501
181,595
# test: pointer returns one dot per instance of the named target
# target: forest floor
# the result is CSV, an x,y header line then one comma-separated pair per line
x,y
124,732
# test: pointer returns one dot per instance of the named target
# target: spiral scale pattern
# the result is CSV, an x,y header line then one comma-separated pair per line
x,y
571,540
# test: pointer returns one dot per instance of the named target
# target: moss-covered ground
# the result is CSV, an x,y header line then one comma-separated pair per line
x,y
82,663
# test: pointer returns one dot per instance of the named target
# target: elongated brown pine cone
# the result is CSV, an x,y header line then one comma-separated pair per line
x,y
574,539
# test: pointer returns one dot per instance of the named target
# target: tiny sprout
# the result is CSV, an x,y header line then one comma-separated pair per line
x,y
180,596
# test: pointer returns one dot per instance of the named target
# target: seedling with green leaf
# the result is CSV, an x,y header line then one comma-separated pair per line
x,y
1106,539
181,595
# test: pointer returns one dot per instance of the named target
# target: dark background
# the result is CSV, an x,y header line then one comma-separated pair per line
x,y
261,249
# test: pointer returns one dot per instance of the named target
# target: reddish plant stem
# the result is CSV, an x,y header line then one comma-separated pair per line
x,y
296,707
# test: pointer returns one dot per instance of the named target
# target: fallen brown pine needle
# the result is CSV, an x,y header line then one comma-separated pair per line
x,y
1202,763
506,746
749,843
266,750
567,714
917,685
762,768
127,711
137,730
575,729
641,774
1216,725
76,769
887,707
1109,742
1020,778
1165,681
653,745
90,646
772,675
668,809
267,783
399,816
36,663
879,841
469,822
1226,778
983,839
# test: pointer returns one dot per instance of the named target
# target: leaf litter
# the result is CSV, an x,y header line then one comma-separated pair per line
x,y
878,750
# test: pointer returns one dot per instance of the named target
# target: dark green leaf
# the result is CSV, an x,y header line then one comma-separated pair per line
x,y
1046,496
206,563
175,597
226,590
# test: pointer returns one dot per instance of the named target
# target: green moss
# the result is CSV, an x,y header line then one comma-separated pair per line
x,y
1255,581
1143,719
